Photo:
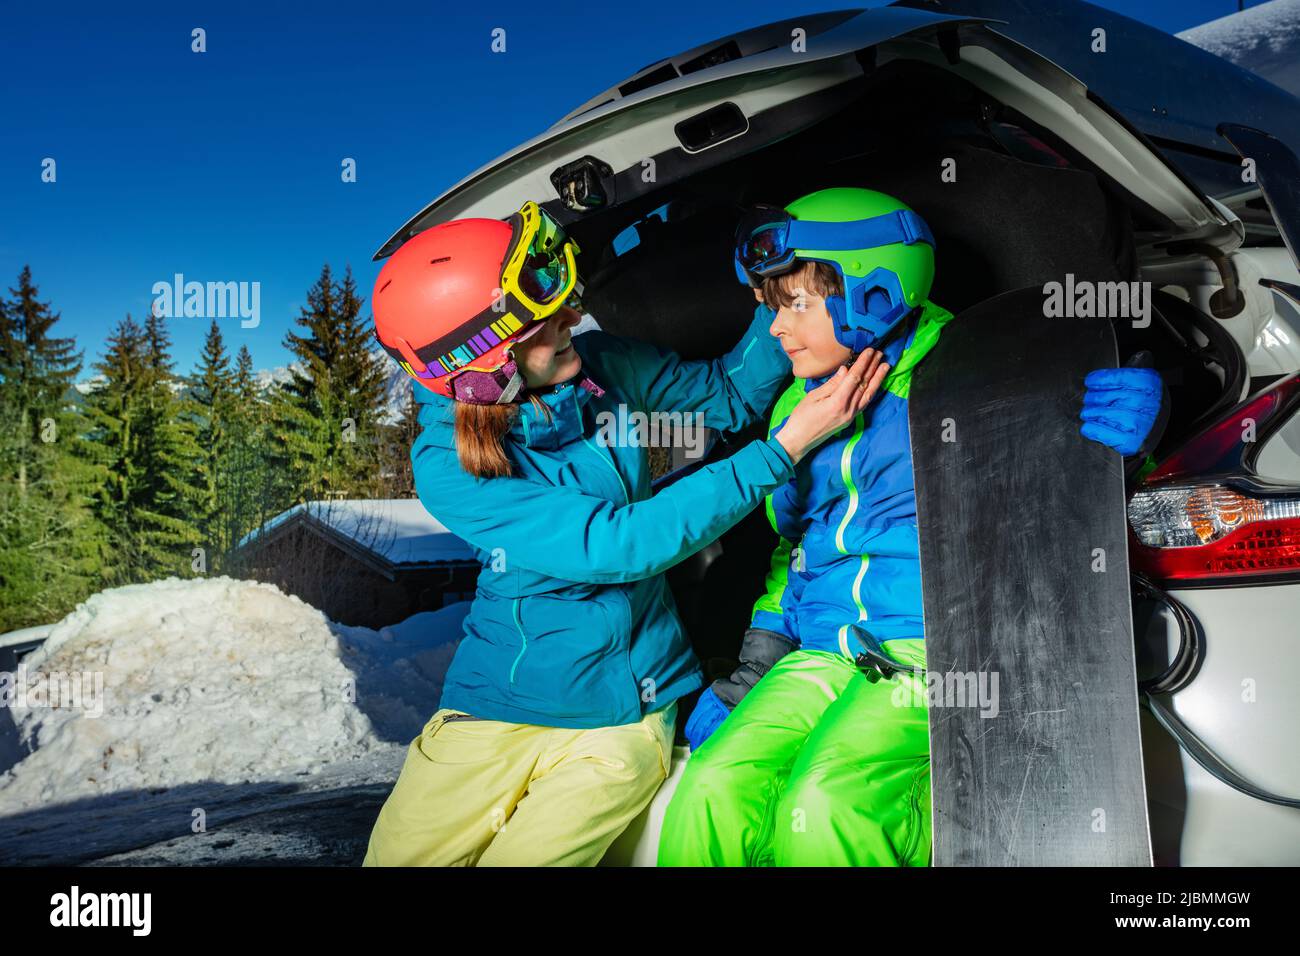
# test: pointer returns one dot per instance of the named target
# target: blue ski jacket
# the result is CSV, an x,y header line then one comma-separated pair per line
x,y
848,551
572,624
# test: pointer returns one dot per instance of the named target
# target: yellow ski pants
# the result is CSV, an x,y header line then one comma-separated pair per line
x,y
491,793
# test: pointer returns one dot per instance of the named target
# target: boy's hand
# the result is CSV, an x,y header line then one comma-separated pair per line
x,y
708,715
759,651
1121,407
832,405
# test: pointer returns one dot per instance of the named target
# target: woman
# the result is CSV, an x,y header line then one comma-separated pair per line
x,y
556,722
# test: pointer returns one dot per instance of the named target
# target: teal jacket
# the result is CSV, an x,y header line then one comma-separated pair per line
x,y
573,624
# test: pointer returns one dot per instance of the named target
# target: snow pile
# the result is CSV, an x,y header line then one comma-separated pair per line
x,y
400,669
1263,39
215,680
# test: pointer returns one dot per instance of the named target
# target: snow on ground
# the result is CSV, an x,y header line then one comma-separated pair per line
x,y
214,695
1264,39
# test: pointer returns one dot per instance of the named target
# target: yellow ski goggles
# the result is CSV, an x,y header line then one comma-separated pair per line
x,y
539,268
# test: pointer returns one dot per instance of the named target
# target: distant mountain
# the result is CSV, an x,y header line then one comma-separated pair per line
x,y
1263,39
280,375
396,388
96,382
92,384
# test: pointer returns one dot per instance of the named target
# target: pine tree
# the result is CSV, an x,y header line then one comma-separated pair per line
x,y
301,414
398,477
146,436
212,393
37,369
362,387
245,386
116,407
255,491
51,549
171,460
324,418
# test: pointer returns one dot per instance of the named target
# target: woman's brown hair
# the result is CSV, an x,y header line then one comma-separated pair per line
x,y
480,435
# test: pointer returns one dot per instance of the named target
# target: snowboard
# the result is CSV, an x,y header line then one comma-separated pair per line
x,y
1031,686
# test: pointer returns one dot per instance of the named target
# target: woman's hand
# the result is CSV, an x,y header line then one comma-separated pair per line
x,y
832,405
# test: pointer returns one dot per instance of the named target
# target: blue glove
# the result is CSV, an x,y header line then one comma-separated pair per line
x,y
1121,406
708,715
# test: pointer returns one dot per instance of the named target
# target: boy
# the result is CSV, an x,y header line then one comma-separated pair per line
x,y
821,750
816,766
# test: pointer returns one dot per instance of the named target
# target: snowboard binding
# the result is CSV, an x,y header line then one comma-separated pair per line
x,y
874,661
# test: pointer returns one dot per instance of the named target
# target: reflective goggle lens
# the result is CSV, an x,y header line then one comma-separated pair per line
x,y
543,275
768,244
762,237
550,234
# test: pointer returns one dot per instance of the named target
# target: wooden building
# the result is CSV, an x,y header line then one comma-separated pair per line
x,y
367,563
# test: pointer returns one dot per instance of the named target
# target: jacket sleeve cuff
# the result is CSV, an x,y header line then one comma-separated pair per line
x,y
780,459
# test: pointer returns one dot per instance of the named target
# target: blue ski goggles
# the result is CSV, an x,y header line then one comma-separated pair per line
x,y
767,237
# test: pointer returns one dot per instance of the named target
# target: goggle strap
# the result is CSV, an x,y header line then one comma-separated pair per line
x,y
484,331
514,383
901,225
411,357
516,222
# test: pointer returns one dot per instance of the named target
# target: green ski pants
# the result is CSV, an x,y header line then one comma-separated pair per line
x,y
817,766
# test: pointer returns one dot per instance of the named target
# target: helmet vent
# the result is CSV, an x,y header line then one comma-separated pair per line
x,y
434,262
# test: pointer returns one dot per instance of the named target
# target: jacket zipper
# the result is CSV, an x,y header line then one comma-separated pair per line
x,y
522,637
627,655
627,497
846,475
857,599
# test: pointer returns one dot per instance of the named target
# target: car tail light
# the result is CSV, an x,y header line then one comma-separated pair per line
x,y
1205,516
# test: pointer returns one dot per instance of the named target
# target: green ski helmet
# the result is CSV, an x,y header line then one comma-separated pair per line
x,y
883,251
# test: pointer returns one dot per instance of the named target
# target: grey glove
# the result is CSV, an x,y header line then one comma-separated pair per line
x,y
759,651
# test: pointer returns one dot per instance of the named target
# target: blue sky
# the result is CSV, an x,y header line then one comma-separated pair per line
x,y
225,166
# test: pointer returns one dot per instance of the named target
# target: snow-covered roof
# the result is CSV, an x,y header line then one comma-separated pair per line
x,y
398,530
1263,39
